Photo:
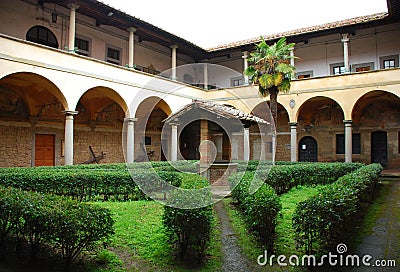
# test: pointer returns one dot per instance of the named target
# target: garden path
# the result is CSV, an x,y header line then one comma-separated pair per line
x,y
233,260
384,242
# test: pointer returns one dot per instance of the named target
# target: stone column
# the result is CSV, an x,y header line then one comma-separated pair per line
x,y
71,34
130,139
345,41
292,60
173,62
174,142
69,137
205,76
293,142
131,53
246,144
348,137
245,65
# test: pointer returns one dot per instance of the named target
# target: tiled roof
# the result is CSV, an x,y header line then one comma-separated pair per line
x,y
306,30
218,109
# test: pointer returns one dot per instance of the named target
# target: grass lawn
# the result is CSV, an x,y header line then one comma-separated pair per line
x,y
284,243
141,244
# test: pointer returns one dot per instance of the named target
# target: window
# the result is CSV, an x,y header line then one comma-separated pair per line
x,y
305,74
83,46
42,35
113,55
147,140
362,67
388,62
337,70
237,81
356,143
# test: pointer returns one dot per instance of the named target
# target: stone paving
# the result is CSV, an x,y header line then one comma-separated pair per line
x,y
384,242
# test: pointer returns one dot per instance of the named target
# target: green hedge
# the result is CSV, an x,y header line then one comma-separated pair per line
x,y
87,184
260,209
284,177
321,220
189,229
41,219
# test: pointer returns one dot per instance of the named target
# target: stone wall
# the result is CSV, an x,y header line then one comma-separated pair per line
x,y
15,147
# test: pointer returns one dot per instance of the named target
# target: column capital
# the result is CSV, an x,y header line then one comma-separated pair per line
x,y
293,124
245,54
131,29
73,6
174,46
70,113
345,38
130,119
176,124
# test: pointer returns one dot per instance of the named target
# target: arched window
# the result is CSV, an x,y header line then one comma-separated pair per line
x,y
42,35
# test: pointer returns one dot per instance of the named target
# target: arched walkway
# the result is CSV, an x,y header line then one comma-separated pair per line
x,y
376,118
98,123
31,120
149,124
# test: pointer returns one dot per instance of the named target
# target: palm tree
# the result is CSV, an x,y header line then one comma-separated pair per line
x,y
270,68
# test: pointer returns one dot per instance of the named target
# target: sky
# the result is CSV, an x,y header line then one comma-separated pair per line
x,y
209,23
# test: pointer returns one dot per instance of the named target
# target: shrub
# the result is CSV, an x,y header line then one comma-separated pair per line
x,y
284,177
79,226
261,210
322,219
88,184
189,229
40,219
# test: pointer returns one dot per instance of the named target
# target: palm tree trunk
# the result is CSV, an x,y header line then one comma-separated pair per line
x,y
273,96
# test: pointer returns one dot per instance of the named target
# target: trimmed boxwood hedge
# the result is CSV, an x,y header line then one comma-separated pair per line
x,y
284,177
61,222
86,184
189,229
322,219
260,209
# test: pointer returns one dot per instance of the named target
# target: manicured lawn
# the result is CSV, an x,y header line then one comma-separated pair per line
x,y
284,243
141,244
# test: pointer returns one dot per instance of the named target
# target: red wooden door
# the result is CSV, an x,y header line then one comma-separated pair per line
x,y
44,149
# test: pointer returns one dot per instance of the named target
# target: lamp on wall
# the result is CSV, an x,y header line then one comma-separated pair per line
x,y
54,16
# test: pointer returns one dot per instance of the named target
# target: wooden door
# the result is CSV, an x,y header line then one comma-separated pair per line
x,y
44,149
308,149
379,151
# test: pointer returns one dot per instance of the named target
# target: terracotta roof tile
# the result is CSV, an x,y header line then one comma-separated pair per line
x,y
305,30
218,109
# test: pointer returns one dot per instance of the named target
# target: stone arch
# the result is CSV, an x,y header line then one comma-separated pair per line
x,y
32,107
318,110
321,118
150,114
377,107
99,124
96,99
374,111
36,91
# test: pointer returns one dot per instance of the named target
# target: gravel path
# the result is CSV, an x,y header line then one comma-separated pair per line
x,y
233,260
